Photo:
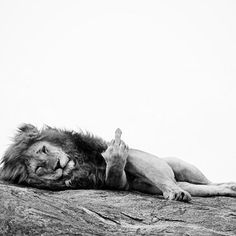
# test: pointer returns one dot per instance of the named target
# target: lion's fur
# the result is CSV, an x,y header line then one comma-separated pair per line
x,y
84,148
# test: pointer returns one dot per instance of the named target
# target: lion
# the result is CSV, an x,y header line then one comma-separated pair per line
x,y
57,159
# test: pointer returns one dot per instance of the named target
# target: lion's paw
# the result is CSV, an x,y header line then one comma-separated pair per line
x,y
230,189
233,187
116,153
177,195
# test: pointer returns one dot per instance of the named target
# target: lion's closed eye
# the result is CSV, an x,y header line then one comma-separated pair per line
x,y
43,150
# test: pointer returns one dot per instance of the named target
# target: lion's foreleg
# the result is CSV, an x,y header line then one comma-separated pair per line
x,y
208,190
115,174
115,157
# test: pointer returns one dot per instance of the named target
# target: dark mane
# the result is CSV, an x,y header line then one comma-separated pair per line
x,y
69,140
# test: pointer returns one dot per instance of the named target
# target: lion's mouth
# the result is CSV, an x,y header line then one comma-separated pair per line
x,y
65,164
66,167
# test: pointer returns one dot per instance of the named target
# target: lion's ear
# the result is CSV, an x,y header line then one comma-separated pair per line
x,y
27,128
26,131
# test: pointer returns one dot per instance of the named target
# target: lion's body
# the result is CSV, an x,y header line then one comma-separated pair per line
x,y
57,159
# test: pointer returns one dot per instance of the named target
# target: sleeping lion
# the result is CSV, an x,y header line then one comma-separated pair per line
x,y
58,159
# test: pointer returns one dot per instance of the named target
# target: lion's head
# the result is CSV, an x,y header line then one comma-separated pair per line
x,y
54,159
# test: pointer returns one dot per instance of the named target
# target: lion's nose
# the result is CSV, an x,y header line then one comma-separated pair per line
x,y
63,160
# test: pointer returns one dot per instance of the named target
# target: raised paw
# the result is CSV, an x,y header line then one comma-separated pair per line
x,y
178,195
117,152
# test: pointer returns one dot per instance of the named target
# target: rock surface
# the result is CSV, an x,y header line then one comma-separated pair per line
x,y
28,211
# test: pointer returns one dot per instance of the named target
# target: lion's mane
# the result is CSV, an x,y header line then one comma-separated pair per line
x,y
84,148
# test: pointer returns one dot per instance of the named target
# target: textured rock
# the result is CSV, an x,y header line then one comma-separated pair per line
x,y
28,211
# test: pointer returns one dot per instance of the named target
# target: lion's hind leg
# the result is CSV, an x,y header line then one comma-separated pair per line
x,y
209,190
186,172
157,173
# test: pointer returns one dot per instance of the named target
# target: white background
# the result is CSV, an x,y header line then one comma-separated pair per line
x,y
162,71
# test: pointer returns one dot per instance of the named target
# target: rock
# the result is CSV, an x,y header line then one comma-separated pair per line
x,y
28,211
